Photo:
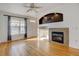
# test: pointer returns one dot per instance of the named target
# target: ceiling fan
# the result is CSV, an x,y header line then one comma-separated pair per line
x,y
32,7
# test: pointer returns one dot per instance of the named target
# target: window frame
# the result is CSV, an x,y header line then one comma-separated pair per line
x,y
9,37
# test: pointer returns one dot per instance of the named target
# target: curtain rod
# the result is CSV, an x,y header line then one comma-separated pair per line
x,y
15,16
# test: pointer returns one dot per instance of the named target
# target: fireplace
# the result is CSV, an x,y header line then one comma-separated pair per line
x,y
58,37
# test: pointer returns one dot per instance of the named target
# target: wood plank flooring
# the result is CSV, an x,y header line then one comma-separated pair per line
x,y
34,47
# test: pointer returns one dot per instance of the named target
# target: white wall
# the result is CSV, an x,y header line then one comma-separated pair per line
x,y
3,28
15,10
31,28
44,34
71,16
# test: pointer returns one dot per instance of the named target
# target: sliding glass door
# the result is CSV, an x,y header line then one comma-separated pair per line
x,y
17,28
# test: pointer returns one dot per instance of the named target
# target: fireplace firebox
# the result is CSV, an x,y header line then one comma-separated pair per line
x,y
58,37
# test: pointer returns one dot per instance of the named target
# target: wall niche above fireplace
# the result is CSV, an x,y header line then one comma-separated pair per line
x,y
51,17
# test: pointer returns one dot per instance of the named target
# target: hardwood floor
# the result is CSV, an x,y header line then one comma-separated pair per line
x,y
33,47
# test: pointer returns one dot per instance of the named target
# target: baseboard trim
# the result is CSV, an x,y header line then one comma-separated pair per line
x,y
18,40
31,37
11,41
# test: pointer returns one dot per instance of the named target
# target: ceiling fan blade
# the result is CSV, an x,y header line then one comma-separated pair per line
x,y
29,10
32,5
37,7
27,6
35,10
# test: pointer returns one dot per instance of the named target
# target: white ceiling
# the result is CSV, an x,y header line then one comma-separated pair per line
x,y
18,8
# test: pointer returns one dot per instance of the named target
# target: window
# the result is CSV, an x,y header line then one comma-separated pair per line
x,y
17,26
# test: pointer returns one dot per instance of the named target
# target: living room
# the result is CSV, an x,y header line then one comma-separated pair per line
x,y
28,29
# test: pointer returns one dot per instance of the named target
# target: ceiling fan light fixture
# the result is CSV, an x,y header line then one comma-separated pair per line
x,y
31,7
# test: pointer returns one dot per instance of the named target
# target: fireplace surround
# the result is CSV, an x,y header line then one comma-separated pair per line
x,y
55,35
59,35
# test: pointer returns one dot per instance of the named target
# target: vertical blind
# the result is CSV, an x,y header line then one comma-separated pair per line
x,y
17,26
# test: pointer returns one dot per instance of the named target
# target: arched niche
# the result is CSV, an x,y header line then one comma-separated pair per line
x,y
51,17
